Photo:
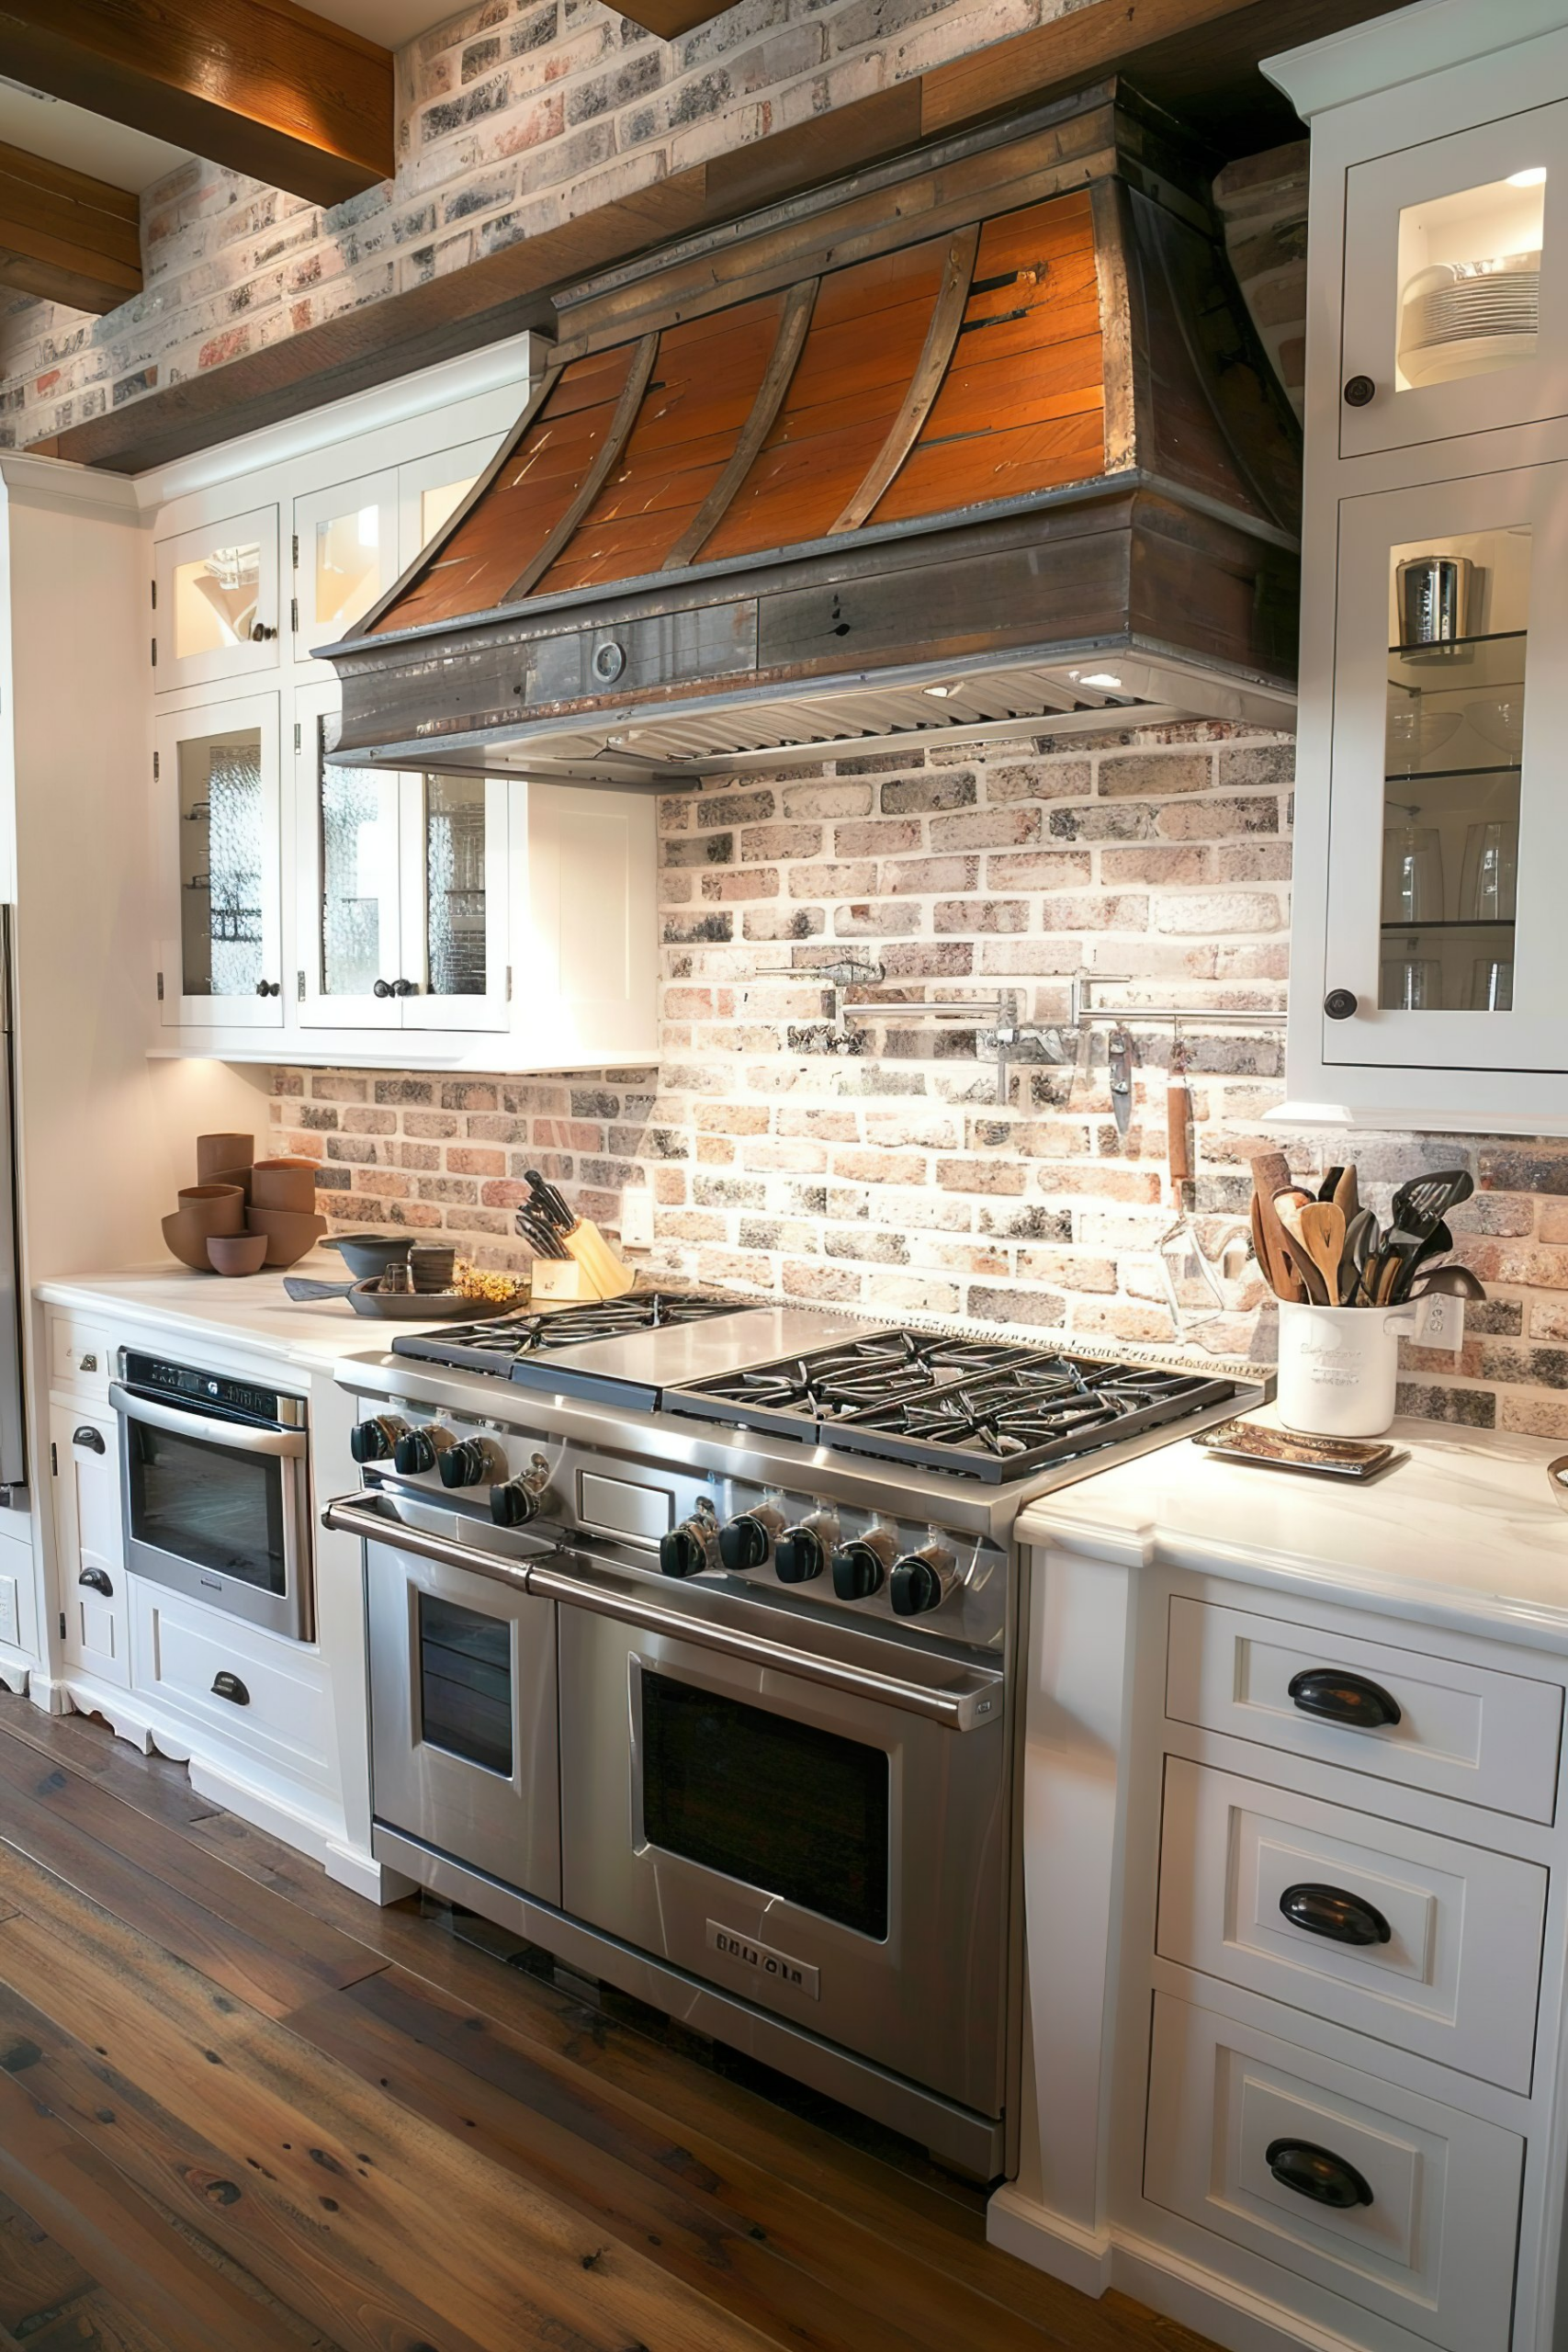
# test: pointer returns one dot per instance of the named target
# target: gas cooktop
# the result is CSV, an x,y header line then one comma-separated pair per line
x,y
987,1409
504,1346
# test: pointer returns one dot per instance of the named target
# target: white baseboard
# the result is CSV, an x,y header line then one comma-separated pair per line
x,y
305,1831
1079,2257
363,1874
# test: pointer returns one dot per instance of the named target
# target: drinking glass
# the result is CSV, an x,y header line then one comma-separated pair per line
x,y
1411,984
1412,873
1489,889
1491,986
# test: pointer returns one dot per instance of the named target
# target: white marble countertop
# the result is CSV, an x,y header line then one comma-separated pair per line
x,y
248,1311
1464,1532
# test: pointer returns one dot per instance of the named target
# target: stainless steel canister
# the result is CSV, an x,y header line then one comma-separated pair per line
x,y
1436,598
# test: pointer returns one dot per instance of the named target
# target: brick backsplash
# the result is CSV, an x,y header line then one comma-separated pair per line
x,y
514,115
871,1166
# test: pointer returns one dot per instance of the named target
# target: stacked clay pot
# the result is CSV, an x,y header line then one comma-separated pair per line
x,y
243,1213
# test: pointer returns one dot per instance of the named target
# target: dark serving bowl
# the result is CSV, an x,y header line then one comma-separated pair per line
x,y
368,1255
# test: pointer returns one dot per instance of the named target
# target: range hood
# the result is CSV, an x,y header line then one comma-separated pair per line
x,y
979,441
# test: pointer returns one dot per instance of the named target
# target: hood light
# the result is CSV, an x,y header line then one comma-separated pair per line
x,y
1102,678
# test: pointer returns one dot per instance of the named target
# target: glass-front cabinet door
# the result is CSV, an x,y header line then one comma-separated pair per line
x,y
216,777
1456,284
431,490
215,602
345,556
350,944
1446,942
454,902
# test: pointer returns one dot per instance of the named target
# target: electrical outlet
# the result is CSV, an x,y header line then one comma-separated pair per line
x,y
636,1218
1440,1323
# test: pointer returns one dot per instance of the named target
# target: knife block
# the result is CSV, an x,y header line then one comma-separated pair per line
x,y
592,1270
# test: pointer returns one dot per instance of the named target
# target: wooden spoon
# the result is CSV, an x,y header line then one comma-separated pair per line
x,y
1265,1172
1288,1205
1323,1231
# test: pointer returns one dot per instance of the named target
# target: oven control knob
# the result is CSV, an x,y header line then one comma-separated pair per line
x,y
801,1555
744,1543
859,1571
373,1441
688,1549
514,1504
918,1582
416,1450
465,1463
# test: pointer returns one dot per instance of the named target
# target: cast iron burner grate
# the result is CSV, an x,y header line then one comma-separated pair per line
x,y
499,1346
985,1408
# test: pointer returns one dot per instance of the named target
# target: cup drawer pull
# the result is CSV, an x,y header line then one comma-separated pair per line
x,y
89,1437
1343,1697
1330,1911
1316,2172
229,1686
97,1580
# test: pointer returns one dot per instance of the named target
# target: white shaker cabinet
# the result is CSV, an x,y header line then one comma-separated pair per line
x,y
84,1450
218,834
216,602
1429,957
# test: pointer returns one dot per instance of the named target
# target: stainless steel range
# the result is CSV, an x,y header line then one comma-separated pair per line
x,y
694,1633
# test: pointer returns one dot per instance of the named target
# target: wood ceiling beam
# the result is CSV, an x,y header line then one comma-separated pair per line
x,y
1198,57
66,237
261,86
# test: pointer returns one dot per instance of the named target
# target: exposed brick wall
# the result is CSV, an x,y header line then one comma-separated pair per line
x,y
876,1170
514,115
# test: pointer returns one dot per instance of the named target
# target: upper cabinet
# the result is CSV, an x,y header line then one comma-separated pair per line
x,y
216,602
1456,284
345,555
218,837
1429,955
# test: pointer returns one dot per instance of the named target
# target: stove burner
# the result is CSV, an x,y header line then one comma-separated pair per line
x,y
993,1410
496,1347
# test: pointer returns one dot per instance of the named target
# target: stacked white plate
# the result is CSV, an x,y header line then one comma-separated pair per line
x,y
1462,318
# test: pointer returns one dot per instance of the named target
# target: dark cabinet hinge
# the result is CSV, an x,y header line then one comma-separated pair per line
x,y
63,1624
154,653
54,1462
160,987
294,614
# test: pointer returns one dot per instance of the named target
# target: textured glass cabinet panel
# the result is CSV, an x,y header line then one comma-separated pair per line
x,y
455,896
358,815
222,854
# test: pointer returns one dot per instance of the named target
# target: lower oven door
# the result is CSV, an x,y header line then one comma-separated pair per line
x,y
463,1716
834,1858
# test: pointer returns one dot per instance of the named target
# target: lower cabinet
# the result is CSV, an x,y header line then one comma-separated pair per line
x,y
1404,2206
85,1459
249,1690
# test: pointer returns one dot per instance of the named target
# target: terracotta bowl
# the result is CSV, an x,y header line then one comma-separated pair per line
x,y
184,1242
237,1253
288,1236
215,1153
284,1184
212,1209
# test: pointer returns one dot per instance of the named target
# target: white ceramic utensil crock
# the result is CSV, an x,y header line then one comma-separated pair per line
x,y
1339,1367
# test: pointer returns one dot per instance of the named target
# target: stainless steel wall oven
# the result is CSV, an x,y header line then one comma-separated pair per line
x,y
215,1477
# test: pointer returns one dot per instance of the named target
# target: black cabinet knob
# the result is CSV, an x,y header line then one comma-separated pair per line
x,y
405,987
801,1556
1340,1004
858,1571
382,989
98,1582
1360,390
89,1437
269,987
1316,2172
684,1551
229,1686
416,1452
1343,1698
1330,1911
743,1543
913,1588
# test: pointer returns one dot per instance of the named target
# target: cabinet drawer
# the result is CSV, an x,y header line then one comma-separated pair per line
x,y
79,1356
252,1690
1463,1731
1429,2241
1452,1968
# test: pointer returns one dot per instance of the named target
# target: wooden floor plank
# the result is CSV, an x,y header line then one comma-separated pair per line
x,y
154,1785
413,2209
37,2277
524,2105
121,2239
273,1961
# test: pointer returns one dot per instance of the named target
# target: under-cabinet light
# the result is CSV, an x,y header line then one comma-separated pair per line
x,y
1534,177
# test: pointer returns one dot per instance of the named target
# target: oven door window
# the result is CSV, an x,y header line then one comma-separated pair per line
x,y
198,1501
779,1805
464,1683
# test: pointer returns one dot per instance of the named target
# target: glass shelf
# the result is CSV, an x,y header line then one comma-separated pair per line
x,y
1468,923
1452,665
1447,775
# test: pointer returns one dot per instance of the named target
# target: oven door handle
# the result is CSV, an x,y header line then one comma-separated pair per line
x,y
967,1703
356,1515
292,1444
